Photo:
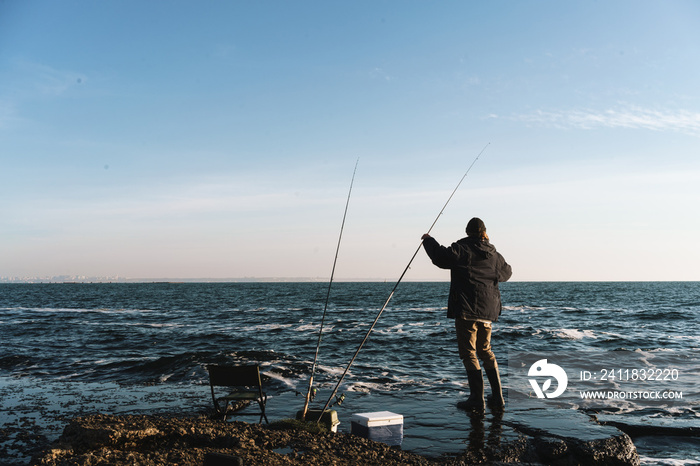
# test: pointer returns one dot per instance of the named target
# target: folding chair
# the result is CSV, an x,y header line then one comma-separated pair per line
x,y
246,383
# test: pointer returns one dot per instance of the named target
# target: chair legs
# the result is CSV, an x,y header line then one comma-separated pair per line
x,y
222,411
262,403
263,415
229,408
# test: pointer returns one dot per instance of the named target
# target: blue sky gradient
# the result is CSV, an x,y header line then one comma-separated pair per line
x,y
218,139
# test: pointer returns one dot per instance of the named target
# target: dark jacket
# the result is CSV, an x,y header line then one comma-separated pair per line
x,y
476,268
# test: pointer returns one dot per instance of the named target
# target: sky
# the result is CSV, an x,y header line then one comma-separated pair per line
x,y
218,139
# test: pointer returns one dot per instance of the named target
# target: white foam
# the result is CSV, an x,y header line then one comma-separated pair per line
x,y
511,327
573,334
267,327
427,309
314,328
286,381
66,310
648,460
523,308
366,387
684,337
398,328
332,370
614,335
308,327
144,324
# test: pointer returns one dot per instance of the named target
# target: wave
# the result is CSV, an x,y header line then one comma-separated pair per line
x,y
522,308
314,328
160,325
428,309
572,333
264,327
68,310
186,367
15,361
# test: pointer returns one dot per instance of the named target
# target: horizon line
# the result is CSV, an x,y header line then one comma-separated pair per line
x,y
118,279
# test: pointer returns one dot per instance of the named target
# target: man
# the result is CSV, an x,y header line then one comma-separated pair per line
x,y
476,268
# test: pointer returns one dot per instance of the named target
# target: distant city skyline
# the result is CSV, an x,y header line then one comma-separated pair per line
x,y
187,140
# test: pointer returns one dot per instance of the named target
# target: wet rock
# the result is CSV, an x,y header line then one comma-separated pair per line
x,y
150,440
564,436
649,425
531,436
550,449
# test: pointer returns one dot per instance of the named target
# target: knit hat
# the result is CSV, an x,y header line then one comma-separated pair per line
x,y
476,227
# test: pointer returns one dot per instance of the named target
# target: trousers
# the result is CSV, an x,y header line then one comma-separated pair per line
x,y
474,343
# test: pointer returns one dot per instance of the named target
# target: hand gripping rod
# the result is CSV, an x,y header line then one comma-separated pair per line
x,y
391,295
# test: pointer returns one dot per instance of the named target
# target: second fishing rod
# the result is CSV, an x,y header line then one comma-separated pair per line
x,y
391,295
311,390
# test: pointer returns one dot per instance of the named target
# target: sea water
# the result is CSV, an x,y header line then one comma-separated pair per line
x,y
76,348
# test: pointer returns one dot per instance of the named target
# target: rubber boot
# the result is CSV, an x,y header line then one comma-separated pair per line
x,y
496,400
475,402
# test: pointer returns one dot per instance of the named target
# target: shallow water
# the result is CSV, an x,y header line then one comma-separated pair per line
x,y
135,339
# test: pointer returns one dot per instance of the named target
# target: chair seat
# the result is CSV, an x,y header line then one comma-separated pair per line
x,y
241,396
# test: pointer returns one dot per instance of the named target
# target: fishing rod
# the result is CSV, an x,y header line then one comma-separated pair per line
x,y
391,295
328,294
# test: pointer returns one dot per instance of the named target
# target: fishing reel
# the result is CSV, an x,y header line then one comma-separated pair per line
x,y
312,393
338,400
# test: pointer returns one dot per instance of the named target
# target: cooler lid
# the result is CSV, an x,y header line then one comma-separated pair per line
x,y
377,418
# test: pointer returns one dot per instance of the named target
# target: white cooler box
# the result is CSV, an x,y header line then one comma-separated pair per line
x,y
382,426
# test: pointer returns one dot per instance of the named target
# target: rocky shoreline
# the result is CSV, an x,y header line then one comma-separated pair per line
x,y
162,440
157,440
